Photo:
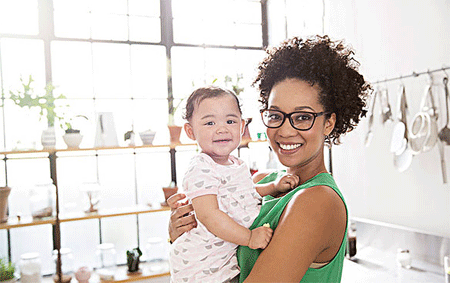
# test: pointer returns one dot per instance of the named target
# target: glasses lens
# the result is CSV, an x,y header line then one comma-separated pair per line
x,y
302,120
272,118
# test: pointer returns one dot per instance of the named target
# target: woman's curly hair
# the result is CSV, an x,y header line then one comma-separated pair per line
x,y
330,65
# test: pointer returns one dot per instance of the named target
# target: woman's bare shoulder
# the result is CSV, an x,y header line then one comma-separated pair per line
x,y
258,176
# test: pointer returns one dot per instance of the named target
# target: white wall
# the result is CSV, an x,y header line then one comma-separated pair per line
x,y
391,39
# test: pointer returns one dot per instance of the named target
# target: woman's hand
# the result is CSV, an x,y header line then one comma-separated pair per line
x,y
181,219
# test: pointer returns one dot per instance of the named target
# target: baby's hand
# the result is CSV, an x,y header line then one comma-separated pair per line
x,y
286,183
260,237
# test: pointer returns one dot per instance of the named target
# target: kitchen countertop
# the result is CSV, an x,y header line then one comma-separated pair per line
x,y
373,266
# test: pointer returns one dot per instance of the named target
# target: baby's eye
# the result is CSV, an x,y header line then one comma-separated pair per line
x,y
231,122
209,123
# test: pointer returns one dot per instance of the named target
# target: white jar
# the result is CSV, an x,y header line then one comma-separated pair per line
x,y
154,249
66,260
106,256
404,258
30,268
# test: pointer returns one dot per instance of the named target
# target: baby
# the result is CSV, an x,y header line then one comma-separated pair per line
x,y
221,190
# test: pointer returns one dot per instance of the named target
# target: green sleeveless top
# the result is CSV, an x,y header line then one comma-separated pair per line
x,y
271,210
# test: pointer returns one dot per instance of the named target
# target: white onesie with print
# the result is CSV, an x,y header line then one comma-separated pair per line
x,y
198,255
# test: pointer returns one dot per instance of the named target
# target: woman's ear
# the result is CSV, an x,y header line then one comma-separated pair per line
x,y
329,124
189,131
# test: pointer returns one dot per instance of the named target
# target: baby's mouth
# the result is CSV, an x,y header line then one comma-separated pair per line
x,y
289,146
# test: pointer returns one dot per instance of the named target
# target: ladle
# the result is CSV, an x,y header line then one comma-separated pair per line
x,y
369,134
444,134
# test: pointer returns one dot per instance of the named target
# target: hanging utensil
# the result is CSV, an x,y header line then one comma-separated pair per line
x,y
424,133
444,134
399,143
369,134
386,113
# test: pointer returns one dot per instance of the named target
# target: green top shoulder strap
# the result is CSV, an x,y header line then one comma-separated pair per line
x,y
271,211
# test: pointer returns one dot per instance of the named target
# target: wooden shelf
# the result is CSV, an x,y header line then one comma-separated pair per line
x,y
13,222
149,271
103,213
53,150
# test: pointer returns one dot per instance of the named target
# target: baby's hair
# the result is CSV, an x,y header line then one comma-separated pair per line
x,y
203,93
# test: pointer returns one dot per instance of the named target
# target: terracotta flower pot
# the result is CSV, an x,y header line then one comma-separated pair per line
x,y
169,191
175,133
4,193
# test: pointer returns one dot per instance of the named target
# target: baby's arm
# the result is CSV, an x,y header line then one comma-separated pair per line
x,y
223,226
284,184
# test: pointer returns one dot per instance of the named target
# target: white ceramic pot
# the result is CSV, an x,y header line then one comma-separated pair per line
x,y
147,137
48,138
73,140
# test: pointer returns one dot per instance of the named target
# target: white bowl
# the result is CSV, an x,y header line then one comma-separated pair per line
x,y
147,137
73,140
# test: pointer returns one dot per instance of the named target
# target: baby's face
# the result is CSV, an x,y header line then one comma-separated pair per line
x,y
217,126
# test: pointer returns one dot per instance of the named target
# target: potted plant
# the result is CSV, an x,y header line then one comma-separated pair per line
x,y
4,193
169,191
73,136
133,260
46,105
7,270
174,130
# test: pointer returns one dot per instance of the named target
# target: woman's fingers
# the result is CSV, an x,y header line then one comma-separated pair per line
x,y
174,200
180,211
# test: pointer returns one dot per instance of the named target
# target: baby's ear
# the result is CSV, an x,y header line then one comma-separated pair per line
x,y
189,131
243,122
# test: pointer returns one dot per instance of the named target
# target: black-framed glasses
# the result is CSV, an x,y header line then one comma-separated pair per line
x,y
300,120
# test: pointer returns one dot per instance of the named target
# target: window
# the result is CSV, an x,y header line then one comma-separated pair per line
x,y
128,57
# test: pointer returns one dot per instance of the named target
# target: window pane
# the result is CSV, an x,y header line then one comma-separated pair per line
x,y
83,251
151,178
72,68
122,115
151,114
144,8
19,17
145,29
110,20
111,63
148,71
188,69
34,239
21,58
217,22
68,12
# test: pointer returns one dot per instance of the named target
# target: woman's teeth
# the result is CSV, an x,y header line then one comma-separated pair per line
x,y
289,146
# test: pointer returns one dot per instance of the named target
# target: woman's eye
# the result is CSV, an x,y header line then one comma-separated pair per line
x,y
303,117
274,117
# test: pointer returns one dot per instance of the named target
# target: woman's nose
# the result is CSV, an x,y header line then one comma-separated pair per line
x,y
287,130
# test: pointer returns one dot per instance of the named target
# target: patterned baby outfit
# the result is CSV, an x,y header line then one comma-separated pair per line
x,y
198,255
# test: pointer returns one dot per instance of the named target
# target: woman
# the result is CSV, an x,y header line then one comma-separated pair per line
x,y
311,93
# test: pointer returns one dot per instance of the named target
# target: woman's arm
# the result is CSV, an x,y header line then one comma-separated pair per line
x,y
223,226
311,229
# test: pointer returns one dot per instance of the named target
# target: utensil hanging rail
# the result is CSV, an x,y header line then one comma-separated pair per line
x,y
414,74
